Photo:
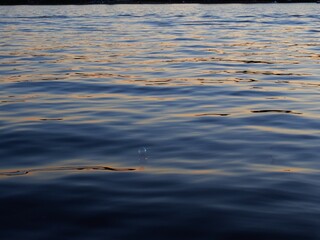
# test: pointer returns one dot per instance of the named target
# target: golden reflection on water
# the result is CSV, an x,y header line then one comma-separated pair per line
x,y
196,70
287,131
158,170
271,168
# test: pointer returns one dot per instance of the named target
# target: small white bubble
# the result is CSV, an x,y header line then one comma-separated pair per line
x,y
142,150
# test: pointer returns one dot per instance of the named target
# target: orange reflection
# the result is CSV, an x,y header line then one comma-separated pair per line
x,y
269,168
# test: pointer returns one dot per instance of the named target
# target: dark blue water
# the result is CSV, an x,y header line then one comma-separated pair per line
x,y
160,122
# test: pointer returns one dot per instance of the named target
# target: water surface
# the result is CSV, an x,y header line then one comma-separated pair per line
x,y
160,122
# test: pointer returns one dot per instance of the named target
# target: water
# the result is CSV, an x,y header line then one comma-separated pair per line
x,y
160,122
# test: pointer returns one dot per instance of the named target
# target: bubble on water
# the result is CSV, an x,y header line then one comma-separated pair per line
x,y
142,150
143,157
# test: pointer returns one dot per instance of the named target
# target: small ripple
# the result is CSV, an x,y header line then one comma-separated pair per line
x,y
12,101
275,111
51,119
45,16
259,72
57,169
212,114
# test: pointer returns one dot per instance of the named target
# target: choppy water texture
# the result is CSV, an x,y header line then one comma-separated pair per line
x,y
160,122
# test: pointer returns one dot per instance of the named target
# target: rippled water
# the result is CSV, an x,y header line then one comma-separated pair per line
x,y
160,122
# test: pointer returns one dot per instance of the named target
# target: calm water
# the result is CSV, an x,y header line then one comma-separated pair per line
x,y
160,122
